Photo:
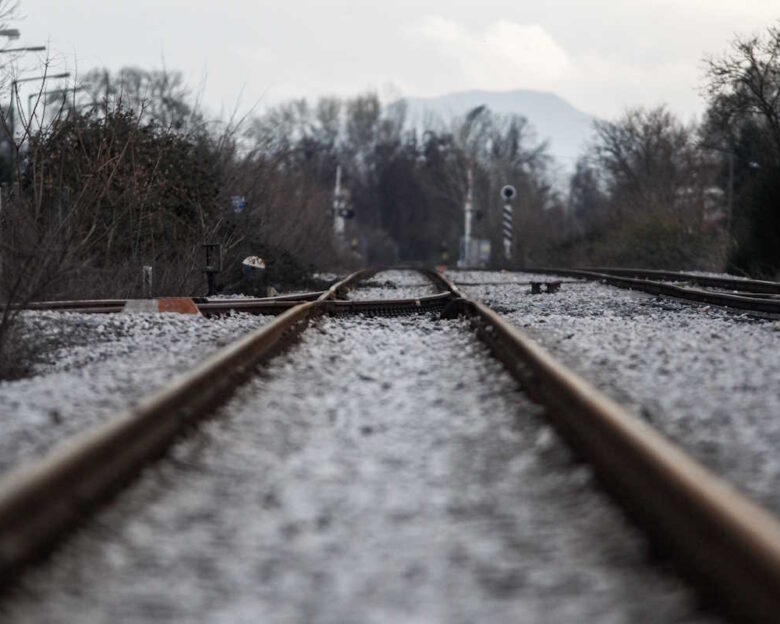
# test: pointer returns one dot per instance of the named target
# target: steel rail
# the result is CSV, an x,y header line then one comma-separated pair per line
x,y
40,501
209,308
339,289
728,545
389,306
95,306
725,283
213,307
510,283
724,300
219,308
76,304
441,282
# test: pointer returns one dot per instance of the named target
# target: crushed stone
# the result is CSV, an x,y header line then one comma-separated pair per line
x,y
362,478
91,367
394,284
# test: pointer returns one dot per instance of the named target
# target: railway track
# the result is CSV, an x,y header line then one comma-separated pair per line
x,y
727,544
207,307
755,297
722,283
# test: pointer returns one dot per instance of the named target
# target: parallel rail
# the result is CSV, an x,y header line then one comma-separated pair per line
x,y
726,543
724,283
389,307
755,304
39,502
208,307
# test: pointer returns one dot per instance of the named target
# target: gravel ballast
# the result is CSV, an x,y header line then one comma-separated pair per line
x,y
383,470
91,367
709,379
394,284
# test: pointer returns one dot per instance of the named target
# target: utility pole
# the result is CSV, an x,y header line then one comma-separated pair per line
x,y
730,209
468,211
14,84
338,209
13,33
65,91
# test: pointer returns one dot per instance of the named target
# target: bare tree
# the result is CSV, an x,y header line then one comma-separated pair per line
x,y
158,96
745,84
646,158
645,182
742,127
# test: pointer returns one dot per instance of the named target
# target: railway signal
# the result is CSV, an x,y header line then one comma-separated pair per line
x,y
339,208
444,249
508,193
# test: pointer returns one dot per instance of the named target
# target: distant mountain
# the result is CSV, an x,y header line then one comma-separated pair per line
x,y
553,119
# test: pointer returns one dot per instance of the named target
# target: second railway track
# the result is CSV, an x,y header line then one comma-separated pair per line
x,y
751,296
724,541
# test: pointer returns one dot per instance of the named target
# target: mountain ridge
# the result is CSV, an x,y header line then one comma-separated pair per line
x,y
553,119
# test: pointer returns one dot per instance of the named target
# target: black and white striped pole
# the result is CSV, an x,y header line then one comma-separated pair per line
x,y
508,193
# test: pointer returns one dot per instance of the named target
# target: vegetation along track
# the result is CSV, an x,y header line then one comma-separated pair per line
x,y
727,544
754,296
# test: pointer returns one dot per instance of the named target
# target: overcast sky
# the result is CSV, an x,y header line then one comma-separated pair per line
x,y
600,55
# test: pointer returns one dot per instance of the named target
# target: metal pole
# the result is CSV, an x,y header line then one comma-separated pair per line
x,y
14,84
1,231
146,283
507,228
508,193
468,208
338,219
11,112
729,214
43,95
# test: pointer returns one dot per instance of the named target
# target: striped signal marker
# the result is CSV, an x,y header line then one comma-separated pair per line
x,y
507,229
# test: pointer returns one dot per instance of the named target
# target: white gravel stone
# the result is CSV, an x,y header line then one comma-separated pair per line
x,y
393,285
709,379
94,366
362,477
